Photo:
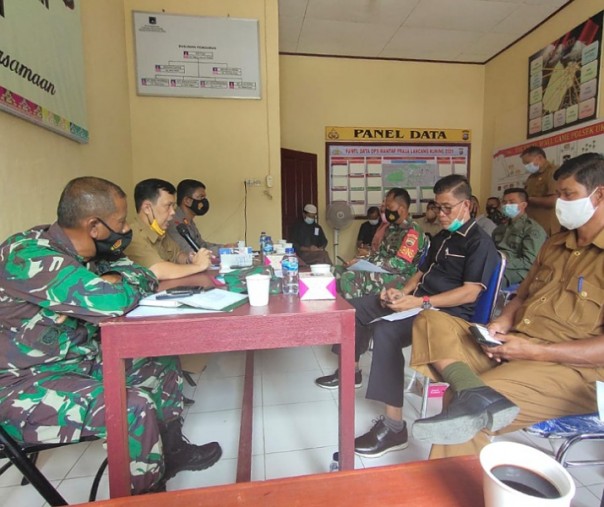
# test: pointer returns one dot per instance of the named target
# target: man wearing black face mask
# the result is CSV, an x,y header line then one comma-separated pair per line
x,y
192,202
58,283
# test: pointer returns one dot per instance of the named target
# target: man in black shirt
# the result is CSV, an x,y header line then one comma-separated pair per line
x,y
456,270
309,239
367,231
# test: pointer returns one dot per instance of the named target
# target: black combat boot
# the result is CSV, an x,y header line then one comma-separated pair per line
x,y
180,454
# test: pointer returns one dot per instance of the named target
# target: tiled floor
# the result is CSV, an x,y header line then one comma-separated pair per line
x,y
295,430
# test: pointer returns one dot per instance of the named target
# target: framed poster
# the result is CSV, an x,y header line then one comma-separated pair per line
x,y
361,172
564,79
196,56
42,65
509,172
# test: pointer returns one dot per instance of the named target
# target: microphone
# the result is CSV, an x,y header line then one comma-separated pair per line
x,y
184,232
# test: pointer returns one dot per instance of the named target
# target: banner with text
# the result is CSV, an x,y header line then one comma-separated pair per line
x,y
363,163
42,65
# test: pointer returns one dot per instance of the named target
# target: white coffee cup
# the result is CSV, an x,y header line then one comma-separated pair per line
x,y
522,458
258,289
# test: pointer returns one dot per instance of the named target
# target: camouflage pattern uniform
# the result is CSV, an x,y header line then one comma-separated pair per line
x,y
398,253
51,388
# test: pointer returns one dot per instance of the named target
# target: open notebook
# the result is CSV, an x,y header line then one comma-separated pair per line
x,y
209,301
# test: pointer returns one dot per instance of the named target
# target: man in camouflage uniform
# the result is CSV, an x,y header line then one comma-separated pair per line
x,y
520,239
58,283
399,252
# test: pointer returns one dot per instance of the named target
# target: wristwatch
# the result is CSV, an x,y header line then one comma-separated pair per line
x,y
426,305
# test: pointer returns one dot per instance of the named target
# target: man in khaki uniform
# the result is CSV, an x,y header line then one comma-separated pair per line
x,y
541,189
150,246
552,333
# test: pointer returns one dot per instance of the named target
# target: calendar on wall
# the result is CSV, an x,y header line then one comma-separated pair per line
x,y
364,163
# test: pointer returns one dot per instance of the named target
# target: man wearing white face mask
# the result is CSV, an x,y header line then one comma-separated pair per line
x,y
520,239
552,333
541,189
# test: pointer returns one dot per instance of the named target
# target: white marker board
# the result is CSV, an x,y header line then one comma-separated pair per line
x,y
196,56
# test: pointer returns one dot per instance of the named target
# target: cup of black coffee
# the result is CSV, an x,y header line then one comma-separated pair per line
x,y
516,475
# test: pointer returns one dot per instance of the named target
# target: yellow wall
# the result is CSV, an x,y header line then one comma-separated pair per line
x,y
316,92
35,163
506,81
221,142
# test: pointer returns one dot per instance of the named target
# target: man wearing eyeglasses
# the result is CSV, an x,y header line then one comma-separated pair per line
x,y
456,270
151,246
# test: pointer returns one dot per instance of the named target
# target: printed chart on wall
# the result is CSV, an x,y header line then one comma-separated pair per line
x,y
194,56
508,171
563,79
361,172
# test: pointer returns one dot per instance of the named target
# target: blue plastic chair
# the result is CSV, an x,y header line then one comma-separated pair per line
x,y
574,429
483,311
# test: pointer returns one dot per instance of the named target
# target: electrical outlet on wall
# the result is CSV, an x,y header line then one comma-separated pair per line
x,y
269,180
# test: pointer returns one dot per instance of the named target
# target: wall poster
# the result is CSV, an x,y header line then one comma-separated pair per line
x,y
508,171
42,65
196,56
364,163
563,79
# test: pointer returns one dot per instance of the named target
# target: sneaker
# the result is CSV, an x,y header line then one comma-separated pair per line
x,y
333,381
379,440
191,457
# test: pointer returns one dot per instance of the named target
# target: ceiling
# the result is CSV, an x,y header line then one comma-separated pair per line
x,y
438,30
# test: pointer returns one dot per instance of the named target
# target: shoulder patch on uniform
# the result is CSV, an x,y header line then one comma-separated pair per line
x,y
409,246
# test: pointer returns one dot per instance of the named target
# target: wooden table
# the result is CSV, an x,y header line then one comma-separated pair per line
x,y
285,322
449,482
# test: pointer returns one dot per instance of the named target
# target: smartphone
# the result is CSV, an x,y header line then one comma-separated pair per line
x,y
482,336
184,290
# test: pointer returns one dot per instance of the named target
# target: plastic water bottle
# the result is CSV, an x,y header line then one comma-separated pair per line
x,y
262,240
268,245
289,266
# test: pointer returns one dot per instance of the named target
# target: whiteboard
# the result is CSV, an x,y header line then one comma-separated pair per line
x,y
508,171
195,56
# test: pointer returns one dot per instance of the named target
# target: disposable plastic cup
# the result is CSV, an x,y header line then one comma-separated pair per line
x,y
522,463
258,289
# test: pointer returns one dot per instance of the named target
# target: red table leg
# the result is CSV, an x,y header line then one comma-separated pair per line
x,y
346,419
114,381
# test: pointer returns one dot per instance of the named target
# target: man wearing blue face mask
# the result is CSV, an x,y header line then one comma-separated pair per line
x,y
520,239
541,189
309,239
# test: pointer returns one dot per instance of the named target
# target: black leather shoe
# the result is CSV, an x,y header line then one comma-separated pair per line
x,y
191,457
468,412
379,440
333,381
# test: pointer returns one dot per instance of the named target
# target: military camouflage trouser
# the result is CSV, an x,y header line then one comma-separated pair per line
x,y
67,405
356,284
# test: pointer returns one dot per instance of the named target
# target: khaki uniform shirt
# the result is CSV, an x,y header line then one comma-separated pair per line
x,y
520,241
542,184
148,248
564,291
430,228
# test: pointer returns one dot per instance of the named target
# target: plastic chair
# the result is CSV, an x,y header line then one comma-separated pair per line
x,y
24,456
485,306
574,429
